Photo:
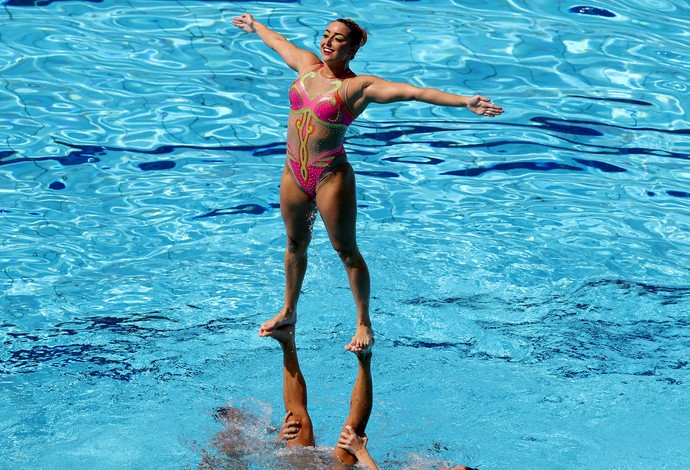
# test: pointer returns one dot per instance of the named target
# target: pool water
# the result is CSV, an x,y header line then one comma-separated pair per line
x,y
530,276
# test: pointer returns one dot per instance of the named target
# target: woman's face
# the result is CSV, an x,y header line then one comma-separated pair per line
x,y
335,43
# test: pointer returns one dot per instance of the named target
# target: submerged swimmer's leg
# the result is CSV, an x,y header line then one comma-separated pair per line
x,y
294,391
337,203
233,441
297,210
360,404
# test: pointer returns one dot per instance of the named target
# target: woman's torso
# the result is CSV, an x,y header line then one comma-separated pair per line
x,y
319,115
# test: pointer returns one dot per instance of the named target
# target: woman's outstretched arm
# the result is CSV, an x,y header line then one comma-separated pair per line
x,y
295,58
367,89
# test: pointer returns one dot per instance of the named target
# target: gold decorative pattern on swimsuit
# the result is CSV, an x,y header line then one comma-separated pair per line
x,y
305,128
304,123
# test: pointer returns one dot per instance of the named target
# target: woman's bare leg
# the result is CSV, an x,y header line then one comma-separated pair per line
x,y
360,403
337,203
294,386
297,210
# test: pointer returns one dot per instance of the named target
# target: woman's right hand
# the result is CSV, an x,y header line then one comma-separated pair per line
x,y
244,22
351,442
290,429
357,446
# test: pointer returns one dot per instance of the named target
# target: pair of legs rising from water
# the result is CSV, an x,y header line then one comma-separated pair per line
x,y
297,427
337,203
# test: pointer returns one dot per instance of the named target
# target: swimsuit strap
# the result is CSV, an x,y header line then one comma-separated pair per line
x,y
313,68
344,100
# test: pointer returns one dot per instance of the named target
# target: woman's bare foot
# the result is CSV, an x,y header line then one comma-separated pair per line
x,y
363,339
286,317
285,335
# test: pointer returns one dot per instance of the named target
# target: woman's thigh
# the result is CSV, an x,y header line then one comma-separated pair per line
x,y
297,209
336,200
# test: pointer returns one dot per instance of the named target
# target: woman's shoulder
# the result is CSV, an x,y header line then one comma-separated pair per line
x,y
309,66
363,81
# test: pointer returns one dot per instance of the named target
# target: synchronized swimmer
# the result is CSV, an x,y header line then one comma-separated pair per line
x,y
325,99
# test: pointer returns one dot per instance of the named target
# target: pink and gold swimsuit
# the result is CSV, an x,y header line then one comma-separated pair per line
x,y
326,109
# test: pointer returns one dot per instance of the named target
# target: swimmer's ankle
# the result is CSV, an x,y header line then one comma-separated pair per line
x,y
286,317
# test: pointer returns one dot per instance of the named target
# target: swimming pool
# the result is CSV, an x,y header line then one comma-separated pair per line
x,y
530,273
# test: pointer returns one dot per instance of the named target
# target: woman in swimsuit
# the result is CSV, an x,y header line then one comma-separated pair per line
x,y
324,101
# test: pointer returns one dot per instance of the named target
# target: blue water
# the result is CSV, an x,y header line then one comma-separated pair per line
x,y
531,283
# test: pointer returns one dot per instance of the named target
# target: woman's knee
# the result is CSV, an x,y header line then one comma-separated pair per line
x,y
297,246
349,256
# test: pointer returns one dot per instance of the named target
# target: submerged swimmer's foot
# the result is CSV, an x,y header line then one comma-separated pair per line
x,y
284,318
284,334
362,341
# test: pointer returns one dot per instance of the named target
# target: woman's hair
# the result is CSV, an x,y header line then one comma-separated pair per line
x,y
357,34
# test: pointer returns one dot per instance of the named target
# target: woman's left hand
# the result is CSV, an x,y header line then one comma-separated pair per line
x,y
483,106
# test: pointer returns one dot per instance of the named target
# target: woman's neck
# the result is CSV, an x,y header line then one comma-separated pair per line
x,y
338,70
